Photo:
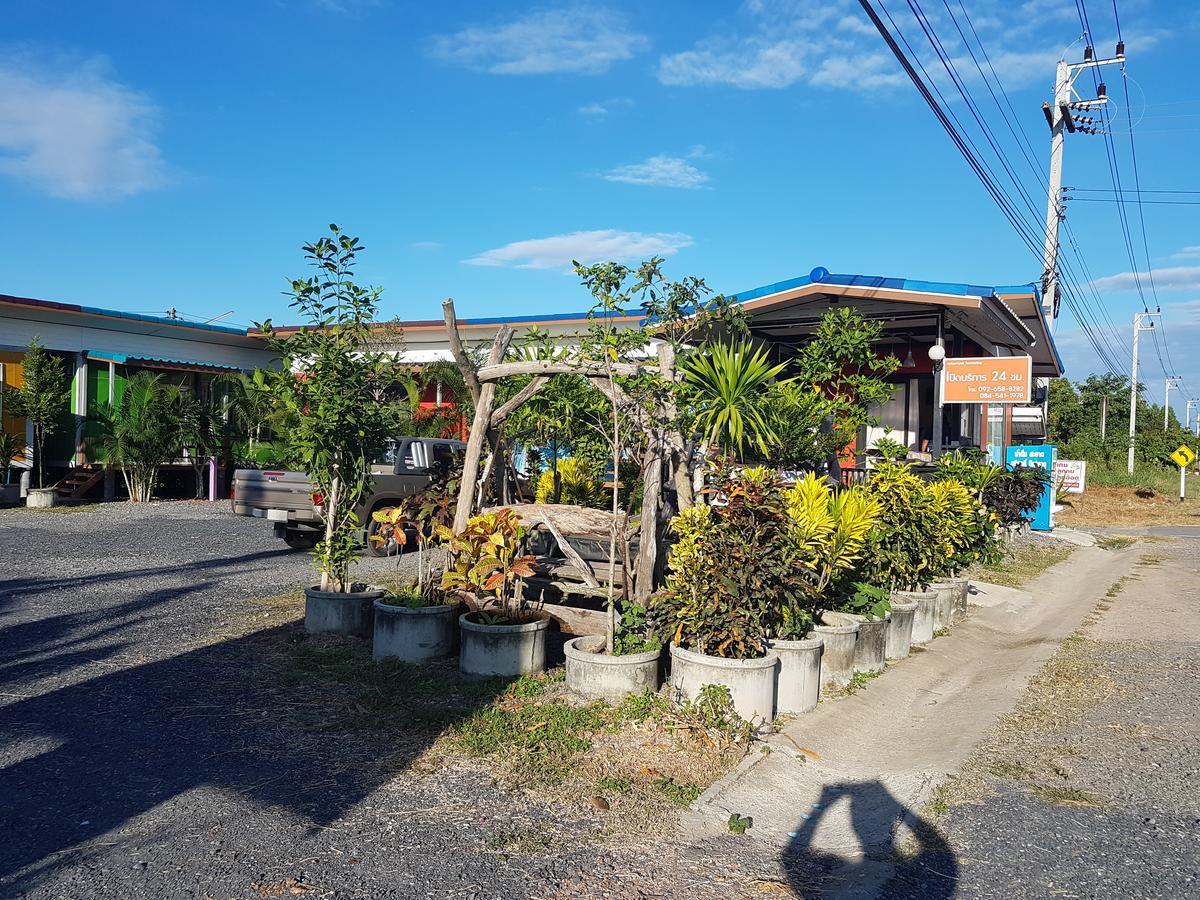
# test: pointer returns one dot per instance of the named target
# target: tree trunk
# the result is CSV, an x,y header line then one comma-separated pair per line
x,y
648,537
330,512
479,427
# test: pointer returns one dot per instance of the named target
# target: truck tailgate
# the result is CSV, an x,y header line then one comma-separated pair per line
x,y
276,495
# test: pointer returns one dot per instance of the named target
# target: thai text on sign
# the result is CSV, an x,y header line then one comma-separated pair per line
x,y
987,379
1070,475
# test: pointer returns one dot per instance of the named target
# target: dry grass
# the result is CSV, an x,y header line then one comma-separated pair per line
x,y
1024,562
1026,746
631,766
1103,505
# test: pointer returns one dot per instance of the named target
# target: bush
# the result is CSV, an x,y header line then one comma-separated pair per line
x,y
1014,494
580,484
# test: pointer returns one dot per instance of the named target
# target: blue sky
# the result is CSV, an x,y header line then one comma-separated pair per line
x,y
158,153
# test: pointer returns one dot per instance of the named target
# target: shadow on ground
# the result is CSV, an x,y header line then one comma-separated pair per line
x,y
261,715
922,866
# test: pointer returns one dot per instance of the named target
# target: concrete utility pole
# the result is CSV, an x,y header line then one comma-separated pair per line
x,y
1103,416
1192,404
1171,381
1138,328
1061,119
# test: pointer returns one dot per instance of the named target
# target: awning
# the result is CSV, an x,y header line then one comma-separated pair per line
x,y
160,362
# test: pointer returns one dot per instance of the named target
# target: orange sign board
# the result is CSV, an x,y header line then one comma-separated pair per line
x,y
987,379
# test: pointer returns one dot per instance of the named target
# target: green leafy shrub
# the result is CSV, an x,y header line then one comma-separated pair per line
x,y
485,560
1014,494
579,483
865,599
729,569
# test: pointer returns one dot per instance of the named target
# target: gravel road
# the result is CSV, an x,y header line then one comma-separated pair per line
x,y
1089,789
139,758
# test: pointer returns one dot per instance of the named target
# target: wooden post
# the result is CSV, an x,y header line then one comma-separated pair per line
x,y
458,352
676,445
480,425
643,585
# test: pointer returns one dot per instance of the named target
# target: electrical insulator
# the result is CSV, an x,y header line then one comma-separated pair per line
x,y
1087,54
1101,90
1120,48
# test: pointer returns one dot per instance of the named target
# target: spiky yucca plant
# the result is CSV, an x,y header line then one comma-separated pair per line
x,y
729,394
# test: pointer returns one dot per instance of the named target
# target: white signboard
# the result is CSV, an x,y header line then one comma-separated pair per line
x,y
1071,475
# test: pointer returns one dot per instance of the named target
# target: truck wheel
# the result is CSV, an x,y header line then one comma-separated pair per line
x,y
390,548
301,540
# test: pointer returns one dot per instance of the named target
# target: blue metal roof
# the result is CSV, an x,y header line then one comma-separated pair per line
x,y
136,359
118,314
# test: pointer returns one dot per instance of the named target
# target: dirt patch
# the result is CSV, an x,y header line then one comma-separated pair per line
x,y
1102,506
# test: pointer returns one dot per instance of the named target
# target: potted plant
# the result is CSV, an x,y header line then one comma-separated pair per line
x,y
11,448
418,622
868,607
504,634
41,400
632,667
904,552
726,577
337,384
824,540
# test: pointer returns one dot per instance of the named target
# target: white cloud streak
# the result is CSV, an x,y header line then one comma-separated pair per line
x,y
603,108
1171,278
558,251
583,40
75,133
775,44
660,171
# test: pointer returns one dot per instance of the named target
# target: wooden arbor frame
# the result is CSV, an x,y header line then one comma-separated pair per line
x,y
665,446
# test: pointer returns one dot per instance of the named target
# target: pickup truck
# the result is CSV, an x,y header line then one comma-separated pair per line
x,y
286,499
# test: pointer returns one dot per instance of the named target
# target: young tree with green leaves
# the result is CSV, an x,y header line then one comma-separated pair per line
x,y
41,400
837,375
337,382
140,432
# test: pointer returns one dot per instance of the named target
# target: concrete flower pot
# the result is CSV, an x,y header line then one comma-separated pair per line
x,y
798,684
962,588
923,627
837,658
414,635
943,607
333,612
40,498
594,673
751,682
872,639
900,630
507,650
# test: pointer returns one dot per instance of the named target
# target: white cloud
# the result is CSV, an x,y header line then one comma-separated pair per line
x,y
1190,252
603,108
660,171
749,63
559,251
583,40
76,133
831,43
1171,278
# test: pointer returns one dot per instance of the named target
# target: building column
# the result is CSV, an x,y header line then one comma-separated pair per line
x,y
81,406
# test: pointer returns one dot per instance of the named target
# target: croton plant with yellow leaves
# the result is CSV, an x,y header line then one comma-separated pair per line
x,y
759,562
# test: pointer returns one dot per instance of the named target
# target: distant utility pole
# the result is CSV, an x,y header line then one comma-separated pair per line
x,y
1192,404
1061,119
1103,416
1171,381
1138,328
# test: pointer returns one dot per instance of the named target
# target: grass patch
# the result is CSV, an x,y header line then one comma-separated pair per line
x,y
644,758
1115,542
1066,796
682,795
1021,564
525,842
858,681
